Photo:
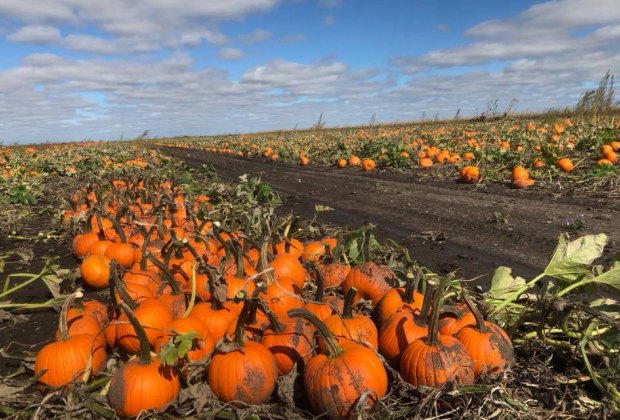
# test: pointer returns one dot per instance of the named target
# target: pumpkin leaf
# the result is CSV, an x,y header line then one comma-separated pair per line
x,y
571,260
610,278
175,349
504,283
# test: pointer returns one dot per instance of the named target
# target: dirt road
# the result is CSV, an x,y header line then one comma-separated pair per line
x,y
446,225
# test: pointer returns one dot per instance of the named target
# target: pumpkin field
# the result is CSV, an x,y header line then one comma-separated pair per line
x,y
455,269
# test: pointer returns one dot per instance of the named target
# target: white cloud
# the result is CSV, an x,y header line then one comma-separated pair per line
x,y
137,25
255,37
195,38
230,54
36,34
89,43
542,30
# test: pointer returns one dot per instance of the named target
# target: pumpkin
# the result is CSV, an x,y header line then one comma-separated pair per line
x,y
290,342
292,246
354,161
99,247
215,315
142,383
565,164
425,162
286,266
349,326
150,313
354,369
399,299
82,242
303,160
519,173
318,307
368,164
95,271
341,163
313,251
470,174
253,378
436,359
371,280
334,273
403,327
456,317
487,343
62,362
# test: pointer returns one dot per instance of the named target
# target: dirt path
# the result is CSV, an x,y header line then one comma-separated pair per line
x,y
445,224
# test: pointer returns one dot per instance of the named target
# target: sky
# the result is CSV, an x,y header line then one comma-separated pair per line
x,y
76,70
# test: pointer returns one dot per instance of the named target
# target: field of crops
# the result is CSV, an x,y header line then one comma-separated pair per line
x,y
135,284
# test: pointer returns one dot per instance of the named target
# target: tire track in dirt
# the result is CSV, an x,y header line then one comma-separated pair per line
x,y
483,227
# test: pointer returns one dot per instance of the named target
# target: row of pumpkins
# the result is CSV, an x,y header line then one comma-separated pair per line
x,y
251,312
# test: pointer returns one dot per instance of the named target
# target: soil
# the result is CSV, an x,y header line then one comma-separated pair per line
x,y
445,224
33,231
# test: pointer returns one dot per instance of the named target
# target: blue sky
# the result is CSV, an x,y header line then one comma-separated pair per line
x,y
72,70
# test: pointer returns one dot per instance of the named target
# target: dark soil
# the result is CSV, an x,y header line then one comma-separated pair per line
x,y
446,225
25,331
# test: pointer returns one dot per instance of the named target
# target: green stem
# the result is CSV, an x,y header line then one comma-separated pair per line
x,y
474,310
516,294
63,327
347,311
192,299
433,338
118,285
145,348
332,344
167,274
573,286
411,287
35,277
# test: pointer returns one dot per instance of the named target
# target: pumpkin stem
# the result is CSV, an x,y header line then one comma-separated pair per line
x,y
422,319
118,228
240,327
263,263
118,285
276,325
167,274
62,325
411,286
145,348
474,310
347,311
433,339
115,306
101,233
192,299
320,282
332,344
238,259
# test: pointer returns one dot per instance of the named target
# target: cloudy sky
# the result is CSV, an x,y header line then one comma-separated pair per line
x,y
99,69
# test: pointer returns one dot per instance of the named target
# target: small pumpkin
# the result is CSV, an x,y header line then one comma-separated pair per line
x,y
470,174
372,281
253,379
565,164
436,359
487,343
142,383
357,371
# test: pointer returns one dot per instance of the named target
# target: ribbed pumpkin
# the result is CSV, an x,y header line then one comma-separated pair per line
x,y
349,326
371,280
335,381
398,299
436,359
487,343
64,361
95,271
242,372
142,383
